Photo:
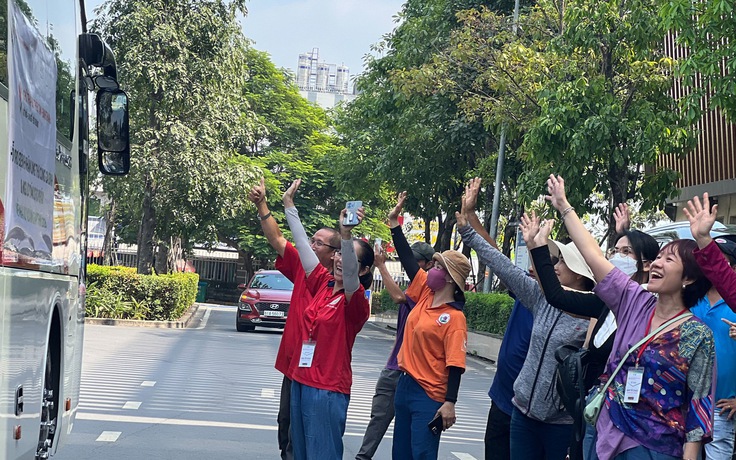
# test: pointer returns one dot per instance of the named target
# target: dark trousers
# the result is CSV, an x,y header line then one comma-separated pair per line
x,y
413,440
532,439
382,412
284,420
498,434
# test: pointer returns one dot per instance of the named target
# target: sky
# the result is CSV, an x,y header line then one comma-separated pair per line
x,y
343,30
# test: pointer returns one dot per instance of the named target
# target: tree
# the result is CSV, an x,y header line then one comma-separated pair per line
x,y
583,87
182,63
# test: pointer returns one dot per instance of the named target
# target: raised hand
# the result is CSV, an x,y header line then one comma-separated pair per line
x,y
462,219
556,190
393,216
258,193
470,197
701,219
529,228
545,229
622,216
379,255
288,197
731,328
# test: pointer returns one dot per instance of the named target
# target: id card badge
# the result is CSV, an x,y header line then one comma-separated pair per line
x,y
634,379
305,359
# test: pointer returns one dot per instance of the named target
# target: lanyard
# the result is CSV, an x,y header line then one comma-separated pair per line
x,y
649,328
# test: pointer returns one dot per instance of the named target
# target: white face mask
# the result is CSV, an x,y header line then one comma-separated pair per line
x,y
624,263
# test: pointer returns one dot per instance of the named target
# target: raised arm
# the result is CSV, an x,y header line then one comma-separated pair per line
x,y
536,236
350,266
470,200
397,295
586,244
270,227
301,241
711,260
406,256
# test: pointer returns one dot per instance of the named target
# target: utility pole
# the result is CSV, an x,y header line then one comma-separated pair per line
x,y
499,169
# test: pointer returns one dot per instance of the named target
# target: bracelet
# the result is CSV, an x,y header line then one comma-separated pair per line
x,y
262,218
566,211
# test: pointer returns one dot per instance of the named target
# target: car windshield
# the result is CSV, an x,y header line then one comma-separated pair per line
x,y
271,281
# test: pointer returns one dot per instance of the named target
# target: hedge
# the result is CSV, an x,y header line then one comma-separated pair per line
x,y
120,293
484,312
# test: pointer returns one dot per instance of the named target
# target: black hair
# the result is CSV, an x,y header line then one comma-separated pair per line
x,y
334,236
588,284
365,259
693,292
645,248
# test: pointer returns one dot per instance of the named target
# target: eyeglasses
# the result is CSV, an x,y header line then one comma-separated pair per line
x,y
623,250
319,244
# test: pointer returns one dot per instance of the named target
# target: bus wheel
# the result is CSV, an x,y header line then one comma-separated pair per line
x,y
48,419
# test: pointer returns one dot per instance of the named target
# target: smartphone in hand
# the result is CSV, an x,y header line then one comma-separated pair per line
x,y
351,217
436,425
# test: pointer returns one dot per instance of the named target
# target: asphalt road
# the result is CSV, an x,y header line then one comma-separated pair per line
x,y
209,392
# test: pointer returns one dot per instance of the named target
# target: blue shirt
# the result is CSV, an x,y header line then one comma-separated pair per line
x,y
512,354
725,345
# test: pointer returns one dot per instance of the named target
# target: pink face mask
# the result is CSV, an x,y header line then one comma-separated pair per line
x,y
436,279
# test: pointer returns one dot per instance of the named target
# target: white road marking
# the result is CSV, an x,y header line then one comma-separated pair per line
x,y
148,383
205,318
268,393
109,436
463,456
132,405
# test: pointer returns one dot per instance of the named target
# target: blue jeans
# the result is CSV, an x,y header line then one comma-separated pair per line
x,y
721,448
642,453
589,452
317,422
532,439
413,439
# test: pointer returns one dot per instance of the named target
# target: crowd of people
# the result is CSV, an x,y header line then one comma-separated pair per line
x,y
627,354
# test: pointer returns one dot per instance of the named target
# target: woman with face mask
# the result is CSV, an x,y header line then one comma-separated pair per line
x,y
632,251
432,357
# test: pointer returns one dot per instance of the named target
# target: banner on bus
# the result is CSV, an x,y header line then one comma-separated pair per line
x,y
29,205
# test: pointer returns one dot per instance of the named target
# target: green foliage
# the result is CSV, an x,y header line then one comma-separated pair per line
x,y
488,312
382,302
121,293
706,30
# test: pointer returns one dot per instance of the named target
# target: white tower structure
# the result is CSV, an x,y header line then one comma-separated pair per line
x,y
342,78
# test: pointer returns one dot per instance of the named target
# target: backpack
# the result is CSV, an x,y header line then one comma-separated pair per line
x,y
577,372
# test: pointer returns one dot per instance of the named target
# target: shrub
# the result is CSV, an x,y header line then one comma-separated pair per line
x,y
382,302
488,312
121,293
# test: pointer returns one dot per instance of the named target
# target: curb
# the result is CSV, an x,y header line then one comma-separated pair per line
x,y
182,323
480,344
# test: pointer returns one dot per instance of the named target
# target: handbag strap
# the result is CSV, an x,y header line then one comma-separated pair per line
x,y
640,343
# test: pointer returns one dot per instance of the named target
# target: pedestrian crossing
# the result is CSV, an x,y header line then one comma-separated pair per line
x,y
216,377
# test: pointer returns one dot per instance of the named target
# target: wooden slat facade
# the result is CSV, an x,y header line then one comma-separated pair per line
x,y
712,159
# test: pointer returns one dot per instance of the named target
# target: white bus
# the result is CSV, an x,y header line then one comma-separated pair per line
x,y
52,74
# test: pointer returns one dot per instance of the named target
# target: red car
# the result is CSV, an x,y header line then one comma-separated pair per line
x,y
264,302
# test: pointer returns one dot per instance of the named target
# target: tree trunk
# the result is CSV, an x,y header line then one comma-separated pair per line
x,y
107,245
174,255
444,238
146,231
619,180
428,230
159,260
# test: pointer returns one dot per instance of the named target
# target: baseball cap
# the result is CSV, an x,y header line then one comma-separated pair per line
x,y
727,246
422,251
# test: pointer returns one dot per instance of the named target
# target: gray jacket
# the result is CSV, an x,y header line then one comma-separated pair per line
x,y
535,394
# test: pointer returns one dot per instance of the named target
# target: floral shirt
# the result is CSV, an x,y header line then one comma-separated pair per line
x,y
675,404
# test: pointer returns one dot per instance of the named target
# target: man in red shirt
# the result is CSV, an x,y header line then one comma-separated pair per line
x,y
324,243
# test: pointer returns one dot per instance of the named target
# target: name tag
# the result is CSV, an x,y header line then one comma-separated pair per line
x,y
634,379
305,359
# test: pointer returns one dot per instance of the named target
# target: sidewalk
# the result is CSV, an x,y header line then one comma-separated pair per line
x,y
189,316
480,344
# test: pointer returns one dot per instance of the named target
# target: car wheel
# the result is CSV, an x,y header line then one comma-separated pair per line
x,y
244,328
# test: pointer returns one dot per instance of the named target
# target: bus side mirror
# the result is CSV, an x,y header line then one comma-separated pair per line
x,y
113,139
